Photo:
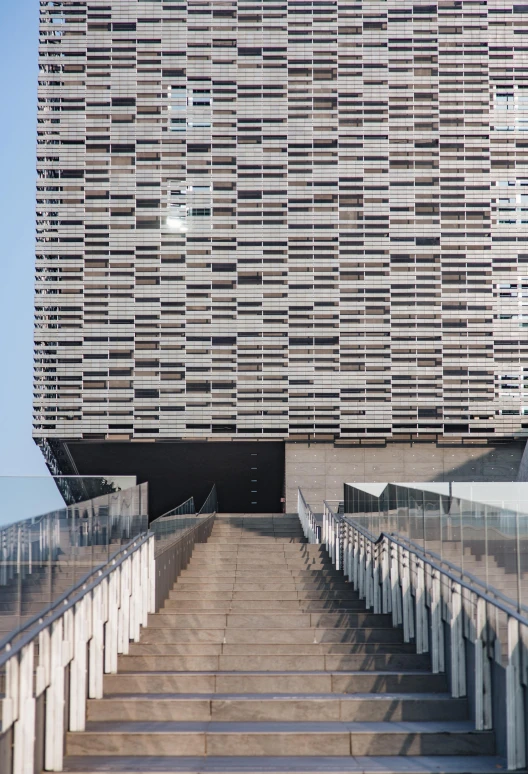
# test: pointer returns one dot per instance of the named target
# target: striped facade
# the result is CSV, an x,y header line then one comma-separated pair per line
x,y
282,220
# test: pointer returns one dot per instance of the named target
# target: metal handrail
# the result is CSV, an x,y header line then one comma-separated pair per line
x,y
52,668
398,577
64,658
427,552
211,502
179,510
310,527
173,524
84,580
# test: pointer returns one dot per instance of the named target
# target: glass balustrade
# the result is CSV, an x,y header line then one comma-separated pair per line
x,y
56,531
481,527
171,525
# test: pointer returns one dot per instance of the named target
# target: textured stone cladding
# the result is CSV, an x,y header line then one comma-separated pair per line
x,y
269,220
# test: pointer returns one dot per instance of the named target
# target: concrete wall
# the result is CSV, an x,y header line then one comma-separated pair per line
x,y
322,469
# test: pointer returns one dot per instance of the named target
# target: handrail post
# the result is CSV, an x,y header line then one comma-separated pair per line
x,y
515,712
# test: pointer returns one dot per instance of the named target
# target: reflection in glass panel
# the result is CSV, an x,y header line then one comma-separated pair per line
x,y
481,528
44,556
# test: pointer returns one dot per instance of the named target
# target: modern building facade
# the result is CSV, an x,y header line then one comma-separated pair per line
x,y
280,221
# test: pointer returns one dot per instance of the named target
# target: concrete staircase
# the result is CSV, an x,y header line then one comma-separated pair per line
x,y
264,659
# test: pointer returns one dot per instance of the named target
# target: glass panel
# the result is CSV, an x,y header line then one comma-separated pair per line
x,y
479,527
523,558
453,549
405,513
502,550
431,502
173,524
77,524
474,557
416,515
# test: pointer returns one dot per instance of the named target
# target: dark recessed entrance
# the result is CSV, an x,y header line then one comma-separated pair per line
x,y
249,476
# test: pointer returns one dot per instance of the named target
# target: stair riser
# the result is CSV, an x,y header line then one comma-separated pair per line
x,y
271,636
328,663
248,563
260,744
272,621
274,683
242,584
287,710
247,547
261,575
254,554
228,542
296,605
257,598
217,649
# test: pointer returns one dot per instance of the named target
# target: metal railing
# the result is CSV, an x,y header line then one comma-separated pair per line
x,y
84,634
480,527
184,508
463,627
11,637
311,529
460,572
57,661
172,524
211,502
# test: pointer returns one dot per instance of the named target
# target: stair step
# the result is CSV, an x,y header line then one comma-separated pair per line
x,y
258,649
254,574
275,682
261,561
282,636
252,537
290,764
263,605
279,548
328,663
302,739
239,594
271,621
241,585
273,708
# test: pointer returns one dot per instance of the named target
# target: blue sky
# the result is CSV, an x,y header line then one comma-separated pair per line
x,y
18,92
19,456
18,87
